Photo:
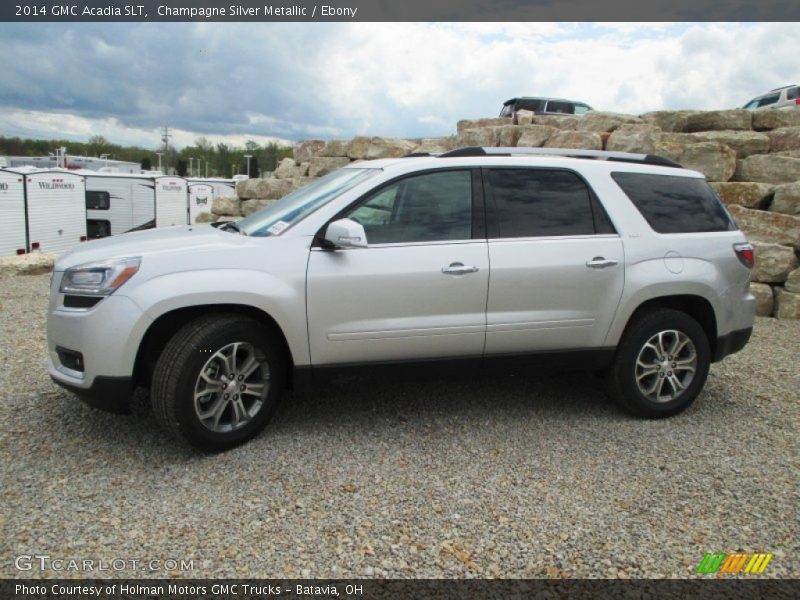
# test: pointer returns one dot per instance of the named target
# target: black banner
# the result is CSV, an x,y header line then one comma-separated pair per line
x,y
251,589
400,10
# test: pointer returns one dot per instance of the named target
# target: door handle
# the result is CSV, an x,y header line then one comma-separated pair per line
x,y
458,268
600,262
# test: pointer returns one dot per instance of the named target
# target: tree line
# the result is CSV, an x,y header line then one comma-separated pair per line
x,y
204,158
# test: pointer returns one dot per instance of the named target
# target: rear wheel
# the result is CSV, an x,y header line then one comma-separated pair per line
x,y
218,380
661,365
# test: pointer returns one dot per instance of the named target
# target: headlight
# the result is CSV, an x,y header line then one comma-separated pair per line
x,y
99,278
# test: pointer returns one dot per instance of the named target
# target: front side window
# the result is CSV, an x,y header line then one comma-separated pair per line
x,y
673,204
98,200
541,202
423,208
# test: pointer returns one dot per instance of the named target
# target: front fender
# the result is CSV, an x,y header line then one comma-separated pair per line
x,y
282,300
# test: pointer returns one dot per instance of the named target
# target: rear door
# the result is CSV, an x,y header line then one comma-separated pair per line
x,y
418,291
557,262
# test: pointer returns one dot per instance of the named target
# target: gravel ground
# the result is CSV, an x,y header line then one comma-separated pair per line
x,y
506,477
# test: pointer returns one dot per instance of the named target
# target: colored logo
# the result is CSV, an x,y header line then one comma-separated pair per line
x,y
734,564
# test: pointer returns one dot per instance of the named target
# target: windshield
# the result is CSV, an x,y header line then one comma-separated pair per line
x,y
277,217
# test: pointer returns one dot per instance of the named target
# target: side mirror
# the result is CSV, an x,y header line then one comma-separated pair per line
x,y
346,233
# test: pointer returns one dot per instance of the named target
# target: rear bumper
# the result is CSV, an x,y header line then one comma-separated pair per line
x,y
731,343
112,394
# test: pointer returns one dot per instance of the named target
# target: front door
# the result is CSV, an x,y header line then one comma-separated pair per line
x,y
418,291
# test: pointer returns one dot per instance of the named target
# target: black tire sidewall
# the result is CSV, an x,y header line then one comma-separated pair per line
x,y
625,372
244,330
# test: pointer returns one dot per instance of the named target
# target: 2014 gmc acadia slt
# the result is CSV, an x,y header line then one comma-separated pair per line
x,y
619,263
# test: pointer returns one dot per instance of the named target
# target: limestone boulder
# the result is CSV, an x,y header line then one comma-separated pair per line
x,y
773,262
478,123
716,120
747,194
251,206
305,150
787,304
269,188
322,165
599,121
534,136
765,300
227,205
380,147
774,119
585,140
669,120
714,160
634,138
334,148
505,136
767,226
768,169
744,143
793,282
288,169
787,199
357,148
784,139
205,217
35,263
436,145
524,117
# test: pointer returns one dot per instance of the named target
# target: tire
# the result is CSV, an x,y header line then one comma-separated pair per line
x,y
652,373
195,400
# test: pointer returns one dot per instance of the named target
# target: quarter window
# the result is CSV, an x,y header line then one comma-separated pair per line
x,y
673,204
540,202
423,208
792,93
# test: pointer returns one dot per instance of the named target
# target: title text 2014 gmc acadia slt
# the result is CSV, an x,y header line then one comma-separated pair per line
x,y
622,263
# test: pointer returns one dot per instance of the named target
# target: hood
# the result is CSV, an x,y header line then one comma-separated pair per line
x,y
151,242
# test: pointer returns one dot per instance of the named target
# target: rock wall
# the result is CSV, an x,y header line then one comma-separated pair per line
x,y
751,159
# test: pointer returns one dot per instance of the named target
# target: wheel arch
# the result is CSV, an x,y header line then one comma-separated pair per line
x,y
163,328
697,307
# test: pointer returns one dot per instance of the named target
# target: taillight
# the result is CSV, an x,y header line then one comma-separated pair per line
x,y
746,254
797,101
20,251
83,238
35,246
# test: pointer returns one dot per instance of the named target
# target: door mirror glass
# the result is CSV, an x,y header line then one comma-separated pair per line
x,y
346,233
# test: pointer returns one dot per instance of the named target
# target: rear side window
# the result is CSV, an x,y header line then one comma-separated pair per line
x,y
556,106
673,204
771,99
98,200
541,202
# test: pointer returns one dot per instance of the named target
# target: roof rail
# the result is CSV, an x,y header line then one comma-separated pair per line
x,y
648,159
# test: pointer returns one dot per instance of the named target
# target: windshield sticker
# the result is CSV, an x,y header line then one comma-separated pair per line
x,y
278,227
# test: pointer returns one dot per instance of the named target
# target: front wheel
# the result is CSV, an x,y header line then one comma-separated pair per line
x,y
661,365
217,382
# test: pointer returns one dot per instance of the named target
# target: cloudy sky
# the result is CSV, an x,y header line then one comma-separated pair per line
x,y
233,82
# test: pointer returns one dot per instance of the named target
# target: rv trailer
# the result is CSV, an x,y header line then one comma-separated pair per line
x,y
55,204
222,187
13,230
117,203
201,196
172,206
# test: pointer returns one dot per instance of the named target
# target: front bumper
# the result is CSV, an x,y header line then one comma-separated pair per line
x,y
107,336
112,394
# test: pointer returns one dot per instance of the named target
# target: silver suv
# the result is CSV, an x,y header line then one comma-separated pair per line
x,y
618,263
783,97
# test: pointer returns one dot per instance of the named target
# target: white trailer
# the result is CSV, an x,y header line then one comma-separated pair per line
x,y
55,202
172,201
201,195
117,203
222,187
13,229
